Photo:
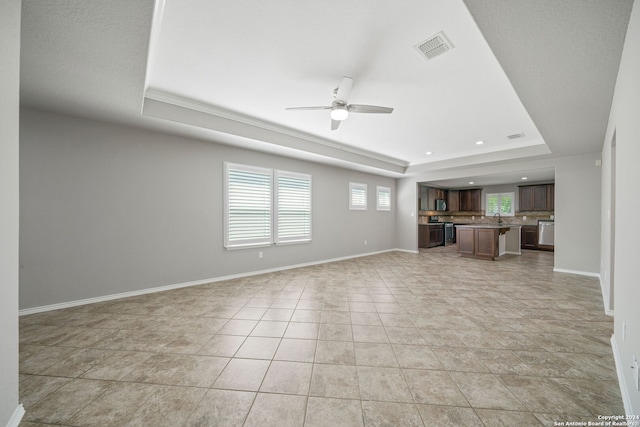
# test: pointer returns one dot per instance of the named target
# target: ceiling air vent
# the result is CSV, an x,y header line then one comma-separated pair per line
x,y
434,46
516,136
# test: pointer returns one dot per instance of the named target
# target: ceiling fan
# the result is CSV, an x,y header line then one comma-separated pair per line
x,y
340,109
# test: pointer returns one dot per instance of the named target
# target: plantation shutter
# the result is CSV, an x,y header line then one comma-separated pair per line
x,y
357,196
383,199
293,207
247,206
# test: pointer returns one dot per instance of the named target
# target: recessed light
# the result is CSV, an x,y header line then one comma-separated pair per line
x,y
471,182
524,177
479,142
428,153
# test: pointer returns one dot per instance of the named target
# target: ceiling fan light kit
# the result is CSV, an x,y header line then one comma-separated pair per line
x,y
340,109
339,112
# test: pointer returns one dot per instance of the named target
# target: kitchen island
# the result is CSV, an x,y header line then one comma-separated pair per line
x,y
486,241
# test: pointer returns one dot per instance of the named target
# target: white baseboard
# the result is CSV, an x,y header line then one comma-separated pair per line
x,y
605,300
104,298
580,273
624,391
16,417
405,250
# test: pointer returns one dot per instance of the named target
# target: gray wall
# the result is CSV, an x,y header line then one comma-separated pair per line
x,y
577,214
407,226
623,120
107,209
9,86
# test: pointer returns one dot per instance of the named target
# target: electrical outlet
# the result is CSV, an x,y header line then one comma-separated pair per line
x,y
524,217
260,254
365,243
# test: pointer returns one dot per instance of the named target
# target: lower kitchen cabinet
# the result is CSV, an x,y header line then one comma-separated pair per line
x,y
482,242
529,237
430,235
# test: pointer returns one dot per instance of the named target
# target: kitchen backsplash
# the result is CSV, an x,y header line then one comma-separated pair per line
x,y
480,219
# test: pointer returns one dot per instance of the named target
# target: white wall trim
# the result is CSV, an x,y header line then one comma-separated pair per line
x,y
17,416
406,250
68,304
605,299
581,273
624,391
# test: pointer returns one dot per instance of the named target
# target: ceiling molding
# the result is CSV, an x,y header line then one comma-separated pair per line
x,y
529,152
189,112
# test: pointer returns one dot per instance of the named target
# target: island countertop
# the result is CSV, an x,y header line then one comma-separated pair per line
x,y
486,226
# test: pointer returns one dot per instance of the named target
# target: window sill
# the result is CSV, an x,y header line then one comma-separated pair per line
x,y
247,246
293,242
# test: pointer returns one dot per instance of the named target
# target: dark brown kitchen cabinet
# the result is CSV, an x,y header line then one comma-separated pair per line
x,y
550,196
441,193
470,200
453,201
529,237
536,197
436,235
430,235
479,242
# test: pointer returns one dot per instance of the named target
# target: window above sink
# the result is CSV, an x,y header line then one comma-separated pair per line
x,y
502,204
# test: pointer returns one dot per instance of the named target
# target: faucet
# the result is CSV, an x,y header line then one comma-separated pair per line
x,y
499,217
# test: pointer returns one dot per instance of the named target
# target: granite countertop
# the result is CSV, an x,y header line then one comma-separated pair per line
x,y
486,225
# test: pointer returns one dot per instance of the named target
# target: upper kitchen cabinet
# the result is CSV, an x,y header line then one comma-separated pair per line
x,y
536,197
453,200
470,200
429,197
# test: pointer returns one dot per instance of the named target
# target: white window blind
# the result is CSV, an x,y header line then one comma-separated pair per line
x,y
247,206
293,207
357,196
383,198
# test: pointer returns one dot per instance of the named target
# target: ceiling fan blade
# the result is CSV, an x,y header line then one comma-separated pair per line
x,y
344,88
309,108
359,108
335,124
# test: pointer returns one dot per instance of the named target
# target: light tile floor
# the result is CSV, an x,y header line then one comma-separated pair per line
x,y
394,339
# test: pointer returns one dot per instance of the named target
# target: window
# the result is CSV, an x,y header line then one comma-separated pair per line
x,y
293,207
357,196
247,207
383,198
501,203
256,209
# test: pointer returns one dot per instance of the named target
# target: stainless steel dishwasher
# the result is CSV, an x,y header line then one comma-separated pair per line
x,y
546,234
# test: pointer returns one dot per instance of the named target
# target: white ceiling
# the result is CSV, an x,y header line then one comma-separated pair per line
x,y
225,70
